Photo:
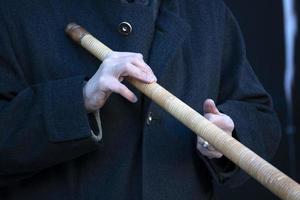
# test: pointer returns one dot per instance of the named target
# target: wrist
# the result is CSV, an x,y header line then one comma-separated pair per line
x,y
86,99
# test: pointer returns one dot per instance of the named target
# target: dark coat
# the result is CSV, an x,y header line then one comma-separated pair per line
x,y
46,149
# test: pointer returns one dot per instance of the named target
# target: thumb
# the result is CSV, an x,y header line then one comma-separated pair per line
x,y
209,106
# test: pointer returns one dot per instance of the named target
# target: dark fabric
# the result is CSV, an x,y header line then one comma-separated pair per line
x,y
46,149
153,3
296,93
264,37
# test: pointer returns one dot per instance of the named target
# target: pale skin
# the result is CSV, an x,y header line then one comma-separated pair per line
x,y
119,65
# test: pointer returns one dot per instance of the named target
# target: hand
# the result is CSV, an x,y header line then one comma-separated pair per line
x,y
115,67
221,120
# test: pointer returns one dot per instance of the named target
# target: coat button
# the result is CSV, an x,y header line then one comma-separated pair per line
x,y
125,28
149,118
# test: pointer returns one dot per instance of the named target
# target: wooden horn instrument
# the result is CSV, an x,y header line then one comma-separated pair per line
x,y
273,179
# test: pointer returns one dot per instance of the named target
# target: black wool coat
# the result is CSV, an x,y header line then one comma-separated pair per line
x,y
46,149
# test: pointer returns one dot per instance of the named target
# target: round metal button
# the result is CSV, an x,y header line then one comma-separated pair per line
x,y
149,118
125,28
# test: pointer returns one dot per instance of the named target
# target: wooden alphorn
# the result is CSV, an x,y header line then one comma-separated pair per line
x,y
273,179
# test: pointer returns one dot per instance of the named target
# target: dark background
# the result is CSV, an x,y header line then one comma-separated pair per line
x,y
262,26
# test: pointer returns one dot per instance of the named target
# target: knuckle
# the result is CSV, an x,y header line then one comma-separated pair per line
x,y
104,83
231,126
127,66
142,75
226,117
139,56
229,123
135,59
102,80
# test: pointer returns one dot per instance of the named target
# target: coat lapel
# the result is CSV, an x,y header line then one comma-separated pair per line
x,y
170,32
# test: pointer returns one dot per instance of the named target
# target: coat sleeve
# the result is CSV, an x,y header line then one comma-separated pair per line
x,y
242,97
41,125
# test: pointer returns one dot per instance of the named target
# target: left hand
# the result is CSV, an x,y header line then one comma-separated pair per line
x,y
221,120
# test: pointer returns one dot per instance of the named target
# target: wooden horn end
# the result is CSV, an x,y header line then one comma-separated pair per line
x,y
76,32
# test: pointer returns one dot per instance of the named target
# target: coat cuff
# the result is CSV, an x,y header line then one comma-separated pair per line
x,y
65,114
221,169
235,111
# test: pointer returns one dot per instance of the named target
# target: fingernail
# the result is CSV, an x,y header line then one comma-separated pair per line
x,y
135,99
154,78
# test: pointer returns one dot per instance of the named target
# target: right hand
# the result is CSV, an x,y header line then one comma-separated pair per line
x,y
114,68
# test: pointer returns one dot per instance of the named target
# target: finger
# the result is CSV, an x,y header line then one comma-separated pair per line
x,y
140,63
137,60
209,106
225,125
222,121
209,153
201,141
209,116
213,154
121,89
134,72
